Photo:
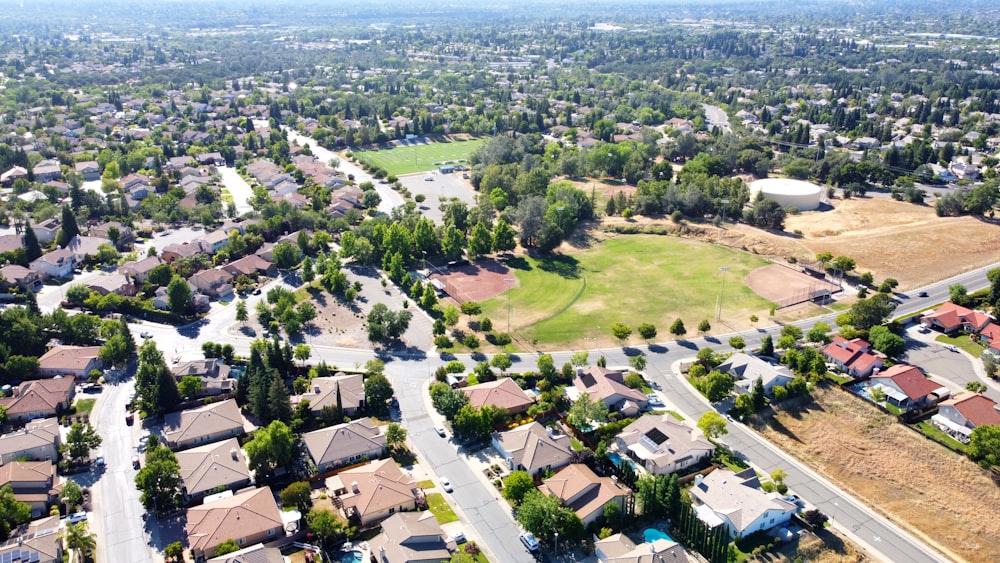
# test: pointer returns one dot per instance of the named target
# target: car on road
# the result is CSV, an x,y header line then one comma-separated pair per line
x,y
446,485
922,294
99,462
76,517
146,334
529,541
256,291
129,418
459,538
951,347
429,179
654,400
135,462
440,431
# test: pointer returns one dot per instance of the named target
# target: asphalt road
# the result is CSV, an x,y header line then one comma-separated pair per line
x,y
716,117
120,522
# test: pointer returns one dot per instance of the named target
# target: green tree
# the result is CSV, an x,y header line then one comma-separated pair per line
x,y
544,516
32,248
621,331
677,328
766,346
959,294
68,229
12,511
160,275
190,386
585,410
160,480
286,255
502,362
819,333
174,552
516,485
78,537
378,391
712,425
227,547
704,326
503,239
395,434
178,295
870,312
446,400
298,494
637,362
115,351
718,385
984,445
885,341
271,447
81,440
71,495
479,241
647,331
328,527
737,342
302,352
758,399
77,294
242,316
308,271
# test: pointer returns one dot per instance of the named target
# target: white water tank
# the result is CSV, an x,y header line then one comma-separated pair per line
x,y
804,196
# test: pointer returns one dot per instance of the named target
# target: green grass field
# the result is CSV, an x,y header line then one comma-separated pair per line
x,y
575,299
420,158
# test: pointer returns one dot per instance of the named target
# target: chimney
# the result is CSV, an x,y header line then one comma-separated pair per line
x,y
354,487
235,453
698,479
316,389
548,431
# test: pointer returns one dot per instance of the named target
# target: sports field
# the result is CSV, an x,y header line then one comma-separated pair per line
x,y
421,156
575,299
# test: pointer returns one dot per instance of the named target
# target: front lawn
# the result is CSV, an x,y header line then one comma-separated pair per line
x,y
440,508
963,343
84,406
427,484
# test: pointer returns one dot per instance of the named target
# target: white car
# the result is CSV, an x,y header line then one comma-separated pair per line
x,y
76,517
440,431
446,485
529,541
951,347
429,179
459,538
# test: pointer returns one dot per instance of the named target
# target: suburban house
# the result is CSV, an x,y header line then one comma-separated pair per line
x,y
254,554
77,361
46,171
38,440
183,250
736,501
410,537
249,518
32,482
853,357
216,240
214,283
374,491
126,236
84,247
618,548
13,275
503,393
323,392
201,425
47,230
213,467
533,448
113,283
40,398
57,264
907,388
346,443
950,317
213,373
139,270
586,494
90,170
964,413
608,387
251,265
663,445
747,369
39,541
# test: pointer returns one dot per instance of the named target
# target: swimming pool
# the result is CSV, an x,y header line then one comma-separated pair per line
x,y
650,535
354,556
618,460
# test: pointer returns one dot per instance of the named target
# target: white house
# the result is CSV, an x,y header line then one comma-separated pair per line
x,y
735,500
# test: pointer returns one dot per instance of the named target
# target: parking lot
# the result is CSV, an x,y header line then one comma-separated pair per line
x,y
441,186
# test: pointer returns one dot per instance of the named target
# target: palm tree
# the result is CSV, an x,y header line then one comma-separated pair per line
x,y
78,537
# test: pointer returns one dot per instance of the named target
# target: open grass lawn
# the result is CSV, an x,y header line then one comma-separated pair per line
x,y
409,159
575,299
962,343
84,406
439,506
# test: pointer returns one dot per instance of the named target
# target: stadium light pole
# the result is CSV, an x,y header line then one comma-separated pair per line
x,y
722,293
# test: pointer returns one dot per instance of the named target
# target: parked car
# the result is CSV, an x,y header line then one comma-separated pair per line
x,y
951,347
440,431
129,418
99,462
135,462
76,517
459,538
529,541
429,179
654,400
922,294
256,291
446,485
146,334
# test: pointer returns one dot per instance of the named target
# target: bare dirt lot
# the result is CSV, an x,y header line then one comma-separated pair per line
x,y
938,495
476,282
786,286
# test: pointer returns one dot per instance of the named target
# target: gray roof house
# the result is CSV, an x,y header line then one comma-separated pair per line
x,y
213,372
735,500
663,445
323,392
213,467
533,448
38,440
345,443
210,423
745,369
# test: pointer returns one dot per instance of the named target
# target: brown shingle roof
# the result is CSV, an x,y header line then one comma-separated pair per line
x,y
210,419
42,395
503,392
68,357
213,465
239,516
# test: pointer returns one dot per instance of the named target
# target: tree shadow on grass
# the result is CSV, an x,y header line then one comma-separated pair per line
x,y
518,263
565,267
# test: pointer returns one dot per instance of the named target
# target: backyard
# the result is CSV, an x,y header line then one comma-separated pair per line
x,y
937,494
420,156
574,299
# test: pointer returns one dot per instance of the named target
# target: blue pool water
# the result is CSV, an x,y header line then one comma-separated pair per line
x,y
617,460
353,557
652,534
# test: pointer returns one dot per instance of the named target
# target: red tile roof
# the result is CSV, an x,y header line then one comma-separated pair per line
x,y
976,408
910,380
951,316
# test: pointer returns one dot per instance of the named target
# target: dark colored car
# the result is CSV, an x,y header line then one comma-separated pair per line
x,y
922,294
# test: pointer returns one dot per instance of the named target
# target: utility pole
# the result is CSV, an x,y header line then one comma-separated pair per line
x,y
510,282
722,293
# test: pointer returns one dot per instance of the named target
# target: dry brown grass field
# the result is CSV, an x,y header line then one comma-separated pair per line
x,y
940,496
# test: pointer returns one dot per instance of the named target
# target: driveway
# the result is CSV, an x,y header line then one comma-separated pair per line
x,y
956,368
238,188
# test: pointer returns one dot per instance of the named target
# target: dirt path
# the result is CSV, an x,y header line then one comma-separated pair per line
x,y
942,497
